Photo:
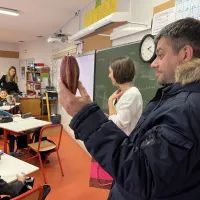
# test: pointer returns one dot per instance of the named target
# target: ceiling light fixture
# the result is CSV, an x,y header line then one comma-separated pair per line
x,y
7,11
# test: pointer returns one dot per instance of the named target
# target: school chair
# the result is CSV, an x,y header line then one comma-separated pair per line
x,y
47,146
33,194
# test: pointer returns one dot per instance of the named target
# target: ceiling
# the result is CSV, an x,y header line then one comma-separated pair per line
x,y
37,18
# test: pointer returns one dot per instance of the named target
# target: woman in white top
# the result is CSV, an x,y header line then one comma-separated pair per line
x,y
125,104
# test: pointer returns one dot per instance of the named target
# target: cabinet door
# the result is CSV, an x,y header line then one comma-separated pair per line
x,y
31,105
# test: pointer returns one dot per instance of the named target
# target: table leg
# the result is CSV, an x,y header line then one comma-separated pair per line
x,y
5,140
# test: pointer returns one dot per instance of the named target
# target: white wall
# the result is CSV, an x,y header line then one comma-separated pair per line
x,y
5,63
38,49
142,12
65,122
77,22
8,46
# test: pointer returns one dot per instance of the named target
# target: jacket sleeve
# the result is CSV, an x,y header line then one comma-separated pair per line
x,y
129,105
142,168
10,189
16,88
2,81
4,113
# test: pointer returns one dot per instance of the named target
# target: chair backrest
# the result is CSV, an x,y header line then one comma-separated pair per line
x,y
34,194
51,130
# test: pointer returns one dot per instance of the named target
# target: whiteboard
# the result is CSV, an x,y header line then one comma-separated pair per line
x,y
86,64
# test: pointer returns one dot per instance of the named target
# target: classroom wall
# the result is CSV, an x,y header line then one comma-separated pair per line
x,y
42,51
9,46
5,63
38,49
142,11
77,22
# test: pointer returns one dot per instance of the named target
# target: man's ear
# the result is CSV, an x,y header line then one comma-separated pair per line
x,y
186,53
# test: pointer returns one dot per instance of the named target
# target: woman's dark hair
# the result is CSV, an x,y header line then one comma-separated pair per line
x,y
123,69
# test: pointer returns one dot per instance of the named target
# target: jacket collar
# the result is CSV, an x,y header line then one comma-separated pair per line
x,y
187,77
188,72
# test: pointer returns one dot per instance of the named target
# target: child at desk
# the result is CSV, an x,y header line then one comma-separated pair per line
x,y
3,96
22,139
19,187
11,138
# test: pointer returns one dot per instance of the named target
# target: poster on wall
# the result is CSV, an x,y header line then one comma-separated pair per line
x,y
86,64
162,19
187,8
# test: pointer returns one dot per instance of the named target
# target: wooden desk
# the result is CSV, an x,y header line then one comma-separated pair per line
x,y
19,125
10,166
30,104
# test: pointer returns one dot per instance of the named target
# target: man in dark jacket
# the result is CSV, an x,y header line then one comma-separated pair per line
x,y
161,158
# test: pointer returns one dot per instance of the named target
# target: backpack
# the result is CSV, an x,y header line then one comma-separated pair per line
x,y
6,119
44,154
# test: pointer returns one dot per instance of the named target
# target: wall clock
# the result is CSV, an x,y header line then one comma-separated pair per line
x,y
147,49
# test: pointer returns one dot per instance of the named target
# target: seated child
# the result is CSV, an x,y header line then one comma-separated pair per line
x,y
22,139
11,138
22,185
3,95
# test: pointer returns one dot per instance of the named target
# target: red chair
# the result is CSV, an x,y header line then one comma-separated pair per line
x,y
34,194
45,145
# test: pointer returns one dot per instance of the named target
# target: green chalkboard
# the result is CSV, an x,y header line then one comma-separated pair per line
x,y
145,79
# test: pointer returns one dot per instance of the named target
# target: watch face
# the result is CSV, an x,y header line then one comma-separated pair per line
x,y
147,48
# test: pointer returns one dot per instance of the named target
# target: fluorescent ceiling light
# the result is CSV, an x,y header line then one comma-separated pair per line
x,y
7,11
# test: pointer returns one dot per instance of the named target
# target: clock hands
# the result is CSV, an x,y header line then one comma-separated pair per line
x,y
149,49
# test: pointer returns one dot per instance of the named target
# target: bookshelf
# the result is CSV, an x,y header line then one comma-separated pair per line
x,y
37,78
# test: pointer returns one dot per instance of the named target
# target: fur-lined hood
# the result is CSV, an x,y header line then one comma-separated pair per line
x,y
188,72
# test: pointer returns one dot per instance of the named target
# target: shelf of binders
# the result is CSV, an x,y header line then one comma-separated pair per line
x,y
35,82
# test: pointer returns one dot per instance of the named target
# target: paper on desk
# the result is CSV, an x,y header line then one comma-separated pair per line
x,y
162,19
17,119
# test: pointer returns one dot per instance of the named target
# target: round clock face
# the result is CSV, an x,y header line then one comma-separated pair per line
x,y
147,48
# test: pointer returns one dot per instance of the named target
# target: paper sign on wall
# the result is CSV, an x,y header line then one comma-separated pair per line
x,y
98,3
187,8
162,19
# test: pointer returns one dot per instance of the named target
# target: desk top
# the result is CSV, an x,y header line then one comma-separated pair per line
x,y
19,124
7,108
10,166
